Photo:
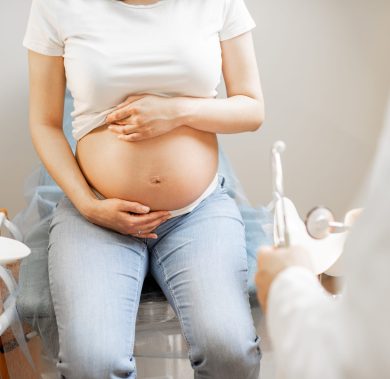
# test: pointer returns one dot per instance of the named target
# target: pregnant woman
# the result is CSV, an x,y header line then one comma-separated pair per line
x,y
142,191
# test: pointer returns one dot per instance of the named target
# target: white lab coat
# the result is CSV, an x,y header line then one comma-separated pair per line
x,y
315,336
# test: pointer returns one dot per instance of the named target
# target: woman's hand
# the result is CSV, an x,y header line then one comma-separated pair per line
x,y
141,117
272,261
126,217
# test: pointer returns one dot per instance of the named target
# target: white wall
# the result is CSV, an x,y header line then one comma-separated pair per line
x,y
325,72
325,67
17,156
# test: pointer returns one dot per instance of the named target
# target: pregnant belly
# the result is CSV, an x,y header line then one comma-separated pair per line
x,y
167,172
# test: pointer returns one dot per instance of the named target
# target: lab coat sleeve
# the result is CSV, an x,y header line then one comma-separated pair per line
x,y
317,337
304,332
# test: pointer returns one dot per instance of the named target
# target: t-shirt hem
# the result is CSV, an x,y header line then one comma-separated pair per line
x,y
39,48
237,31
78,134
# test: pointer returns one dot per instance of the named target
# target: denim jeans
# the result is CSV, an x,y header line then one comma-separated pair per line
x,y
200,262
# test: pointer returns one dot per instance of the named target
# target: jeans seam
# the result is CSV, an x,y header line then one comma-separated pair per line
x,y
50,275
139,288
160,266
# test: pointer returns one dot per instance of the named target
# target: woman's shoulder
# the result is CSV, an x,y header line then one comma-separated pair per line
x,y
50,7
64,5
214,7
67,13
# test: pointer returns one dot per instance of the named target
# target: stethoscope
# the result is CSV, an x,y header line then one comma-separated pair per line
x,y
320,221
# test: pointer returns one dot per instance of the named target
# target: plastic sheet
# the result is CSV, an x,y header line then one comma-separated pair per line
x,y
34,301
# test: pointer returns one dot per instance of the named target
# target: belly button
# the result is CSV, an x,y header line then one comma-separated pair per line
x,y
156,180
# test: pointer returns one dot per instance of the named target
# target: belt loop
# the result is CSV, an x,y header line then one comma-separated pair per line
x,y
222,181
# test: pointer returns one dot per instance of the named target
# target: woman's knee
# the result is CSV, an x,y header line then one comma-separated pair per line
x,y
95,361
226,353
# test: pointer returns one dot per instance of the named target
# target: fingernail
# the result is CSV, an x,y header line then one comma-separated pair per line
x,y
145,209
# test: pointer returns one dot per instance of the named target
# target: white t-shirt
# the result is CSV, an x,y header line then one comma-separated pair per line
x,y
113,49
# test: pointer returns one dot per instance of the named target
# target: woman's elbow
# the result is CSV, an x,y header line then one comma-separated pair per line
x,y
258,117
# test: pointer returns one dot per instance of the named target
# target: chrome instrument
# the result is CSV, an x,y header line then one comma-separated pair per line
x,y
282,233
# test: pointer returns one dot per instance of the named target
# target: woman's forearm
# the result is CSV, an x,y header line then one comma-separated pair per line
x,y
235,114
56,155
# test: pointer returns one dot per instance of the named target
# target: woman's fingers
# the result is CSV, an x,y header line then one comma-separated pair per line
x,y
132,137
141,212
123,129
146,235
126,121
145,231
131,206
139,220
152,225
123,111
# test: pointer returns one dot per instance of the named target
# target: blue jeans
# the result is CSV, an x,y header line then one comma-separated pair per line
x,y
200,262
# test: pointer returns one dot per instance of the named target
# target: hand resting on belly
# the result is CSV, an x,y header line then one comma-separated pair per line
x,y
166,167
167,172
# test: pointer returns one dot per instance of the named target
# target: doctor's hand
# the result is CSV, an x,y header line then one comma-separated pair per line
x,y
271,261
126,217
145,116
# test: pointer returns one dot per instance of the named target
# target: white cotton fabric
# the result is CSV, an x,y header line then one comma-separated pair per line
x,y
113,49
316,336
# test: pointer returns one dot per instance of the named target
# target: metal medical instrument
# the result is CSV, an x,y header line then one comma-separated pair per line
x,y
281,228
320,223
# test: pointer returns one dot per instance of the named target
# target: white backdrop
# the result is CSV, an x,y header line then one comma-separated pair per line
x,y
325,71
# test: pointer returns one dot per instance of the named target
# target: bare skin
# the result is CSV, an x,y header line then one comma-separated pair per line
x,y
166,166
272,261
182,162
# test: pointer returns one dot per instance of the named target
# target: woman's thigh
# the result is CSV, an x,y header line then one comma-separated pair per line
x,y
201,264
96,277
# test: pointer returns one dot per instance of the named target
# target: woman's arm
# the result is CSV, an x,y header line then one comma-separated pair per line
x,y
243,110
47,91
145,116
